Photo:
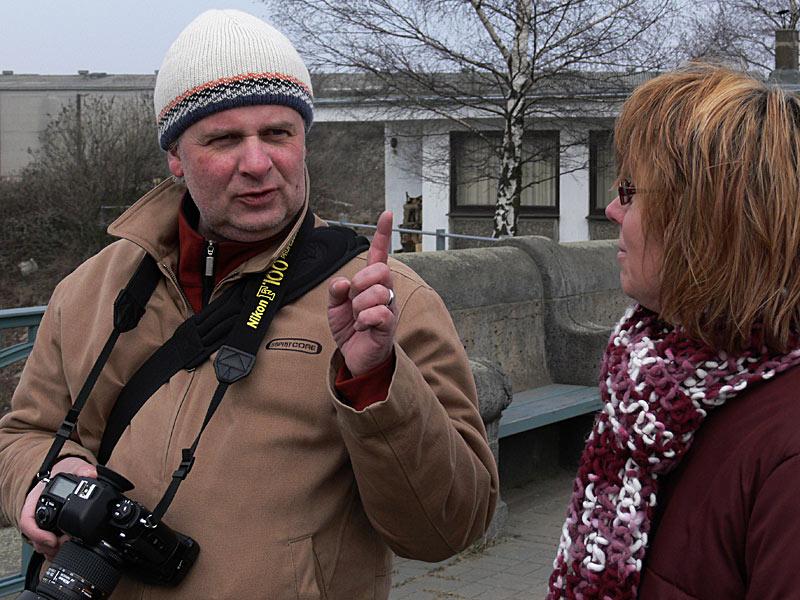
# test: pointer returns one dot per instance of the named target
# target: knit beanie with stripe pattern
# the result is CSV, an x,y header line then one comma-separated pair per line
x,y
226,59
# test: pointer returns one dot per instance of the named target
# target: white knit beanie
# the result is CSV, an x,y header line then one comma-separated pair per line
x,y
225,59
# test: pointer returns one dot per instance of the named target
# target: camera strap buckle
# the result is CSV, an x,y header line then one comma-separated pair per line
x,y
187,462
67,427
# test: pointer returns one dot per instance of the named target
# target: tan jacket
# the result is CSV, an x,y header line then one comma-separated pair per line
x,y
293,494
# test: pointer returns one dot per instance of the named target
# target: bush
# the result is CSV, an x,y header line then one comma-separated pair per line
x,y
96,157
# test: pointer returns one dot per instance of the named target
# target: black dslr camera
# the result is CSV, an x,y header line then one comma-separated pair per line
x,y
110,534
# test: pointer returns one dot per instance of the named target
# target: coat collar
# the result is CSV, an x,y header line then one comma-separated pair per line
x,y
152,223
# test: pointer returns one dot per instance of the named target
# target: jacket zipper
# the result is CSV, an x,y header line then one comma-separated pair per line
x,y
210,258
174,280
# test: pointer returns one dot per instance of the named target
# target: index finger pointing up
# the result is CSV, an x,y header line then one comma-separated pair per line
x,y
379,249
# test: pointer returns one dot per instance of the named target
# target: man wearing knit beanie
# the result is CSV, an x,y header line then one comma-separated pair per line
x,y
351,429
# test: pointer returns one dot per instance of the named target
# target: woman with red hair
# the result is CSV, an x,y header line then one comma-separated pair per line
x,y
688,485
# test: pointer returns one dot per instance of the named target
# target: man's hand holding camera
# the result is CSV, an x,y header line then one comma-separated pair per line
x,y
43,541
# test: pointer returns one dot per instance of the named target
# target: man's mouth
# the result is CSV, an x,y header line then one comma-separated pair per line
x,y
256,195
257,192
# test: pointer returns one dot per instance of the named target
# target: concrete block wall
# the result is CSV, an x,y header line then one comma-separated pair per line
x,y
541,310
529,311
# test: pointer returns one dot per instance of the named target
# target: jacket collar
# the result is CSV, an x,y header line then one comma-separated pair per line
x,y
152,223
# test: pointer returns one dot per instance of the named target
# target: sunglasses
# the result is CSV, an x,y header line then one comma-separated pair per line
x,y
626,191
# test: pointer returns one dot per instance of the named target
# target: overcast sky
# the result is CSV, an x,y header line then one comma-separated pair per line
x,y
112,36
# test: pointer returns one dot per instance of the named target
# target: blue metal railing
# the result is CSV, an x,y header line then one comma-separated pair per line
x,y
11,318
12,584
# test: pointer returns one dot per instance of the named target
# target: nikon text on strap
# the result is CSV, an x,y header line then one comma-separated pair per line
x,y
236,357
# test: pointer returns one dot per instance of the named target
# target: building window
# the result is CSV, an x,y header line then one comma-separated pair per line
x,y
602,171
475,168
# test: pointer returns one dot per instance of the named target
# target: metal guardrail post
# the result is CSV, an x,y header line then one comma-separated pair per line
x,y
440,239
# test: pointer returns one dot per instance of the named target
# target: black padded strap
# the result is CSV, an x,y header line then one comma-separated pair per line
x,y
133,298
192,343
329,249
324,251
235,360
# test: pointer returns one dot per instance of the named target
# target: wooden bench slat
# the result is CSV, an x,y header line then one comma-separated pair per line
x,y
547,404
555,395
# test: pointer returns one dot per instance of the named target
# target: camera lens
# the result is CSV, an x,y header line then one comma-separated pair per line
x,y
78,573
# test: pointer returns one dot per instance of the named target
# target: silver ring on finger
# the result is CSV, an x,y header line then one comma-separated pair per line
x,y
390,301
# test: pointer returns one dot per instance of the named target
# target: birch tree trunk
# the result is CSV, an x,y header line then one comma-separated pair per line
x,y
509,182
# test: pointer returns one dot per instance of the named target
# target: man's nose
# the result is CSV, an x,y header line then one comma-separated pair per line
x,y
255,159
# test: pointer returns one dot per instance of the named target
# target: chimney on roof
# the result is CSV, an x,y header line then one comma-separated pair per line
x,y
786,49
83,71
787,44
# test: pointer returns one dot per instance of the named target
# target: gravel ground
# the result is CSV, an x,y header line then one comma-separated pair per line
x,y
10,545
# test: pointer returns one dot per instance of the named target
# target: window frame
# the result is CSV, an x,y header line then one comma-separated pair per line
x,y
488,210
594,142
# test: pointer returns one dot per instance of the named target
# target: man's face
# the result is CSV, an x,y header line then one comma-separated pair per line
x,y
244,168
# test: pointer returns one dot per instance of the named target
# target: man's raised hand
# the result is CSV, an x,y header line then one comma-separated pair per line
x,y
362,313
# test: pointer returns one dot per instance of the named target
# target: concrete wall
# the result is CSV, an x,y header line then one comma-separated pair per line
x,y
27,103
541,310
573,189
401,168
22,119
529,311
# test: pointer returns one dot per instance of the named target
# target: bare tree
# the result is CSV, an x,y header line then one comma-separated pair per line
x,y
469,60
100,151
95,152
739,31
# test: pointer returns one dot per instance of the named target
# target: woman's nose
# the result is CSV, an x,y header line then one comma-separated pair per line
x,y
615,211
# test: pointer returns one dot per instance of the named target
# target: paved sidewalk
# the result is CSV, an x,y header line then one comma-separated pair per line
x,y
517,566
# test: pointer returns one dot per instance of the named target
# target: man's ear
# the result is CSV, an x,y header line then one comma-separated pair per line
x,y
174,160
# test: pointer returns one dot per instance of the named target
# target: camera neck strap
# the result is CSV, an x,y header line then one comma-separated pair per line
x,y
322,252
236,357
313,256
129,307
234,324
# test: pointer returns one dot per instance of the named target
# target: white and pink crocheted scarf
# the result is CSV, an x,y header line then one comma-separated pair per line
x,y
658,386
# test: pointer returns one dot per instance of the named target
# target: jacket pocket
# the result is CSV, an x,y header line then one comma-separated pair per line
x,y
307,571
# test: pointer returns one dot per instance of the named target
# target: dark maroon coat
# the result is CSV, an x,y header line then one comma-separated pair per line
x,y
729,523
